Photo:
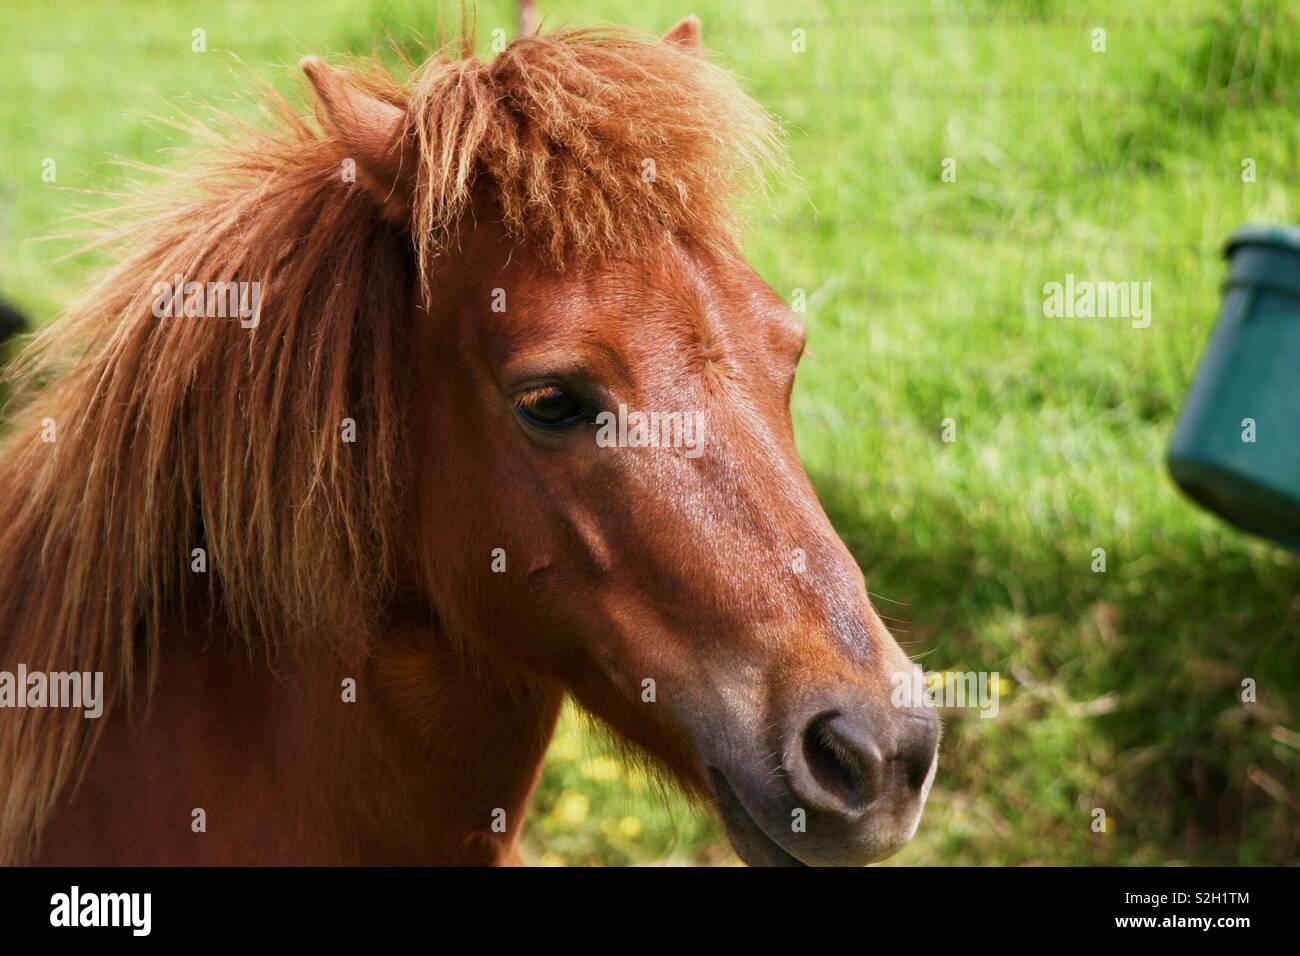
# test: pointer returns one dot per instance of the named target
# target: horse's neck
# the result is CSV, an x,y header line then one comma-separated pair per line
x,y
434,762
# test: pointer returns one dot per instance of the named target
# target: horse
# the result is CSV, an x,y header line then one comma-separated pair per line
x,y
341,550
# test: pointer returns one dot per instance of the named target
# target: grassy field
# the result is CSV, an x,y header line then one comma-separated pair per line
x,y
924,303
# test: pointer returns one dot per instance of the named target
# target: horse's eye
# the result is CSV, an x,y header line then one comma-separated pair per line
x,y
549,407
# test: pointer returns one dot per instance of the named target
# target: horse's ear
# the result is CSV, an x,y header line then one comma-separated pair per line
x,y
686,34
371,131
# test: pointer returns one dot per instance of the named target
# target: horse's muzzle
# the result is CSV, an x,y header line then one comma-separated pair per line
x,y
849,788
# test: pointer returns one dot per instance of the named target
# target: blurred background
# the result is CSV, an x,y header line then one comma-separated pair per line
x,y
1120,690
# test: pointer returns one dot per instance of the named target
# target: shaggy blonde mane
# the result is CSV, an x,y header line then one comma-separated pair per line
x,y
176,434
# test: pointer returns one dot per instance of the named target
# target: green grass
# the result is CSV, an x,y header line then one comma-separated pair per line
x,y
924,303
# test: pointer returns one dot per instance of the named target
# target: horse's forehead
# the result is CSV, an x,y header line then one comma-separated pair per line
x,y
675,295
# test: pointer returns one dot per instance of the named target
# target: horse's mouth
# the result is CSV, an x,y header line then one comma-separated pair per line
x,y
750,841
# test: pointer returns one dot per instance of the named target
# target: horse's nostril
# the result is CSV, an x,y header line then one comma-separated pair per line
x,y
842,766
843,761
918,749
827,763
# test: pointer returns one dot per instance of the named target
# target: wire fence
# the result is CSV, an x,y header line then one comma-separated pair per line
x,y
975,20
1264,26
998,233
530,15
1056,94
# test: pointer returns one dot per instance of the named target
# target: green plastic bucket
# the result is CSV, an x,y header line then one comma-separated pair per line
x,y
1250,375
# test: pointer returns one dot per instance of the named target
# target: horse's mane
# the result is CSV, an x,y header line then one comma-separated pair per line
x,y
174,434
